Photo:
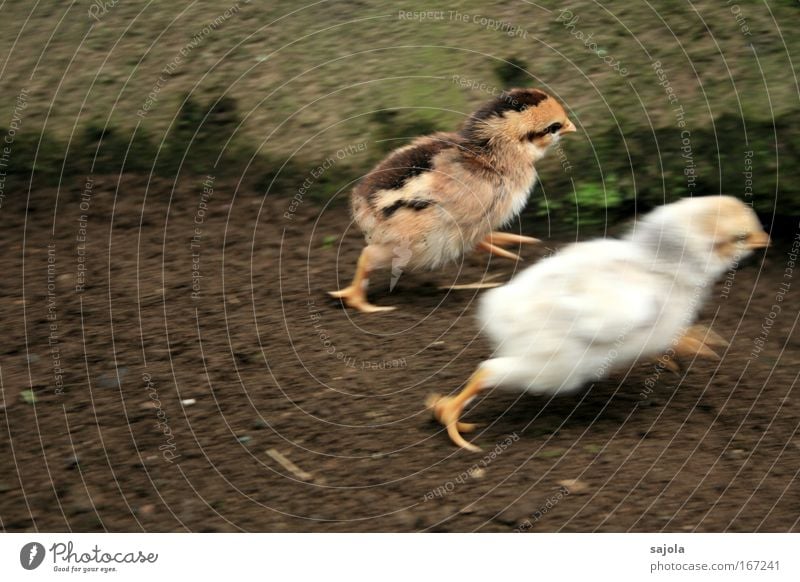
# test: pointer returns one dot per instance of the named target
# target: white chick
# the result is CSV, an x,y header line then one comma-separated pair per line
x,y
595,306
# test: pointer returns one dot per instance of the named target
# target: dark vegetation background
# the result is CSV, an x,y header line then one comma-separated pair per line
x,y
266,95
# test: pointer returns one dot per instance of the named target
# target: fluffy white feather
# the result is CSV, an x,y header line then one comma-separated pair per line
x,y
560,323
598,306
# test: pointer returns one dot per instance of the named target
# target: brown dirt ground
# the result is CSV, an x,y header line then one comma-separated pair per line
x,y
714,450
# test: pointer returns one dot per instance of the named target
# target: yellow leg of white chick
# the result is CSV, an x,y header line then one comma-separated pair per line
x,y
447,409
508,371
506,238
707,336
697,342
497,251
669,363
692,347
355,295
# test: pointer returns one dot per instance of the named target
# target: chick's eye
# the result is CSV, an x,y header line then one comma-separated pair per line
x,y
554,128
741,237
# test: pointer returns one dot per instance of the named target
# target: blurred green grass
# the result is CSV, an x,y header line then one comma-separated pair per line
x,y
273,91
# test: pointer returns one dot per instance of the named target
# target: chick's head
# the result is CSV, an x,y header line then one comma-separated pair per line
x,y
716,232
733,227
526,118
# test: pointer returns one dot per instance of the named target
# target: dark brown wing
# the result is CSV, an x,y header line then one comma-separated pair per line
x,y
405,163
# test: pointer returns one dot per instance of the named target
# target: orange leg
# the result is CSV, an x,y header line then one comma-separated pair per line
x,y
355,294
668,363
506,238
493,242
447,409
696,342
495,250
691,347
706,336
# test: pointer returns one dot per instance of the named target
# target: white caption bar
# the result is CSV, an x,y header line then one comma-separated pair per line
x,y
402,557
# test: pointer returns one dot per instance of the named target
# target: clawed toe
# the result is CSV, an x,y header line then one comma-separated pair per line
x,y
707,336
691,347
446,410
493,242
507,238
696,342
466,426
355,298
669,364
497,251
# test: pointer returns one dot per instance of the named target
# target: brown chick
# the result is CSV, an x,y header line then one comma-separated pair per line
x,y
446,194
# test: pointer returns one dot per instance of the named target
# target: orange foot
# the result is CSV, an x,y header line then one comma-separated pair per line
x,y
495,240
355,294
697,342
448,409
356,297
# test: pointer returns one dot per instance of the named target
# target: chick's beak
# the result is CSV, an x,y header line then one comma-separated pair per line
x,y
568,127
758,240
